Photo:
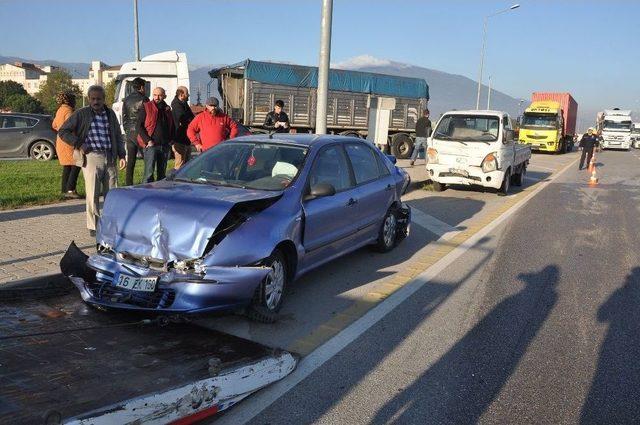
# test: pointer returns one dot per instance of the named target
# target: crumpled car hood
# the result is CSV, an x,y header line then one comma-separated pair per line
x,y
168,220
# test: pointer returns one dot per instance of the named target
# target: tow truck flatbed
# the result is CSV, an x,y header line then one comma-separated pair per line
x,y
63,361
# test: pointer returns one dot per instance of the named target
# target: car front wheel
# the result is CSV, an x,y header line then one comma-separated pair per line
x,y
42,151
267,301
388,233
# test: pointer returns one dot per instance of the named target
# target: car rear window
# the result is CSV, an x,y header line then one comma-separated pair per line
x,y
17,122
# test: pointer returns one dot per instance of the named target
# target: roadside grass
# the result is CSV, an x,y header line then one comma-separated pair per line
x,y
28,183
428,186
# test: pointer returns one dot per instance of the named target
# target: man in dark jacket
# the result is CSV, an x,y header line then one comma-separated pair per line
x,y
588,143
131,105
182,116
423,130
155,135
277,120
94,132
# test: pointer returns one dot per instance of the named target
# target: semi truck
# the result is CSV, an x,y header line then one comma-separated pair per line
x,y
249,89
549,123
476,148
165,69
635,135
614,125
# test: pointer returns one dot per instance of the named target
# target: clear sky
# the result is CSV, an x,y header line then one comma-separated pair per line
x,y
589,48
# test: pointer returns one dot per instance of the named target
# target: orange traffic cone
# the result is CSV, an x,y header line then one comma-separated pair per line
x,y
593,180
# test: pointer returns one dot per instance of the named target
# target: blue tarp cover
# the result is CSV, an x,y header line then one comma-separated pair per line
x,y
341,80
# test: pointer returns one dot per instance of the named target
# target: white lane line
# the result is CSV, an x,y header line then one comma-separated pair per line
x,y
243,413
440,228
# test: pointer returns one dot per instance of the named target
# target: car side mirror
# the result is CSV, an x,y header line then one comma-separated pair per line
x,y
393,159
320,190
508,135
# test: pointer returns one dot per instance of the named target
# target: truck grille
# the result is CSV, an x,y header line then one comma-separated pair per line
x,y
537,137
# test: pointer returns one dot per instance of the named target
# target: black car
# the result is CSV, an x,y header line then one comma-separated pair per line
x,y
27,135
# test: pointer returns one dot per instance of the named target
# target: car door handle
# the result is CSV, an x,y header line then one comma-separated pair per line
x,y
24,132
351,202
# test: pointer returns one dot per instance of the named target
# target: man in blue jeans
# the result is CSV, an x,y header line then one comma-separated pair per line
x,y
156,132
423,130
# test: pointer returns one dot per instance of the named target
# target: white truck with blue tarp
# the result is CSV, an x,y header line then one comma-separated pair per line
x,y
249,89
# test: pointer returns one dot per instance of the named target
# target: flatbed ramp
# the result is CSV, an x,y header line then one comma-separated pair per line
x,y
61,361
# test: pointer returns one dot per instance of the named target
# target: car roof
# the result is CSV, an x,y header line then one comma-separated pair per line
x,y
303,139
24,114
476,112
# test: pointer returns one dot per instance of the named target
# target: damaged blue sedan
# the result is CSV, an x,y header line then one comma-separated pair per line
x,y
235,225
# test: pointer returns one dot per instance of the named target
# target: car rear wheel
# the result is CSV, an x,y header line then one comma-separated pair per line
x,y
388,233
269,295
42,151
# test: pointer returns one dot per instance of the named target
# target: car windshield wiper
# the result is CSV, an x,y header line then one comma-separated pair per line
x,y
219,182
442,136
199,180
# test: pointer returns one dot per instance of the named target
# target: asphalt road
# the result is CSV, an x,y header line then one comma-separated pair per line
x,y
537,323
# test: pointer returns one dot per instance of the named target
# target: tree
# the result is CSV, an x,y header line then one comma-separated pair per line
x,y
23,103
9,88
110,93
57,81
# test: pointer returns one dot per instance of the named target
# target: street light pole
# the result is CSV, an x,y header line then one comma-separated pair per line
x,y
135,30
489,95
323,67
484,41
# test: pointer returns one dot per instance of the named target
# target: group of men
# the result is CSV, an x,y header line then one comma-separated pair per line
x,y
157,129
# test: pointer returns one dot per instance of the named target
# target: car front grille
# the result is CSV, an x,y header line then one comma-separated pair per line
x,y
160,298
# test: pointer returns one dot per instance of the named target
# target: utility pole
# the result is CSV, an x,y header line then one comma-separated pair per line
x,y
135,29
323,67
489,95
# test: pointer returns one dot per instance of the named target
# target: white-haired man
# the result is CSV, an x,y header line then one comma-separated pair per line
x,y
94,132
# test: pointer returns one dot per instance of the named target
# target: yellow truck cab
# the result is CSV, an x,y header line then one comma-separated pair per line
x,y
541,126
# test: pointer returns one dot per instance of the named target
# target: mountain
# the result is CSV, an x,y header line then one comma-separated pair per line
x,y
446,91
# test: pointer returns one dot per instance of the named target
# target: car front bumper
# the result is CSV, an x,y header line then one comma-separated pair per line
x,y
447,174
219,289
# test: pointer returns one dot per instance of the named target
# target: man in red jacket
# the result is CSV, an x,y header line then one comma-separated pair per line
x,y
211,127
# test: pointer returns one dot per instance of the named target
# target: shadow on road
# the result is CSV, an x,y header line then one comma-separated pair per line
x,y
461,385
613,397
41,212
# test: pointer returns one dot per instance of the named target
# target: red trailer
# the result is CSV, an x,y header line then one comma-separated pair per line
x,y
569,109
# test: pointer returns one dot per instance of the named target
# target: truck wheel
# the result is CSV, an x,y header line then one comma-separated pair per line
x,y
518,179
401,146
438,187
506,183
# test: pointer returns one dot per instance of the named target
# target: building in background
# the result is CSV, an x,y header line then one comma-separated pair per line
x,y
31,76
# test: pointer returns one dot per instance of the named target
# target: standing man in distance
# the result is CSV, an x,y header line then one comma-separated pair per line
x,y
155,135
423,130
131,105
94,132
211,127
182,117
277,120
588,143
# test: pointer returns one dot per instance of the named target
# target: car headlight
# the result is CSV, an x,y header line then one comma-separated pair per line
x,y
490,163
194,265
432,155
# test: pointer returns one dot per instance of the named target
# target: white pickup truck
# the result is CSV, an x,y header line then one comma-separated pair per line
x,y
476,148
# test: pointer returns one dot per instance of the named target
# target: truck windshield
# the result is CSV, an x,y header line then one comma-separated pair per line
x,y
636,130
468,128
613,125
539,120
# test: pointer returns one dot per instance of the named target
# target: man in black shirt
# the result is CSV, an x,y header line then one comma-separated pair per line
x,y
132,104
588,143
277,120
182,116
423,130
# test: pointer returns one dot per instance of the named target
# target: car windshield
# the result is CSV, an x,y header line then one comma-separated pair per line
x,y
249,165
539,120
613,125
468,128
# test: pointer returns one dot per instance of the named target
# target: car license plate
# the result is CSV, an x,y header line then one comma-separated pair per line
x,y
145,284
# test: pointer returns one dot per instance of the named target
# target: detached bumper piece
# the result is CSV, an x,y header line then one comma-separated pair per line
x,y
220,289
404,220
